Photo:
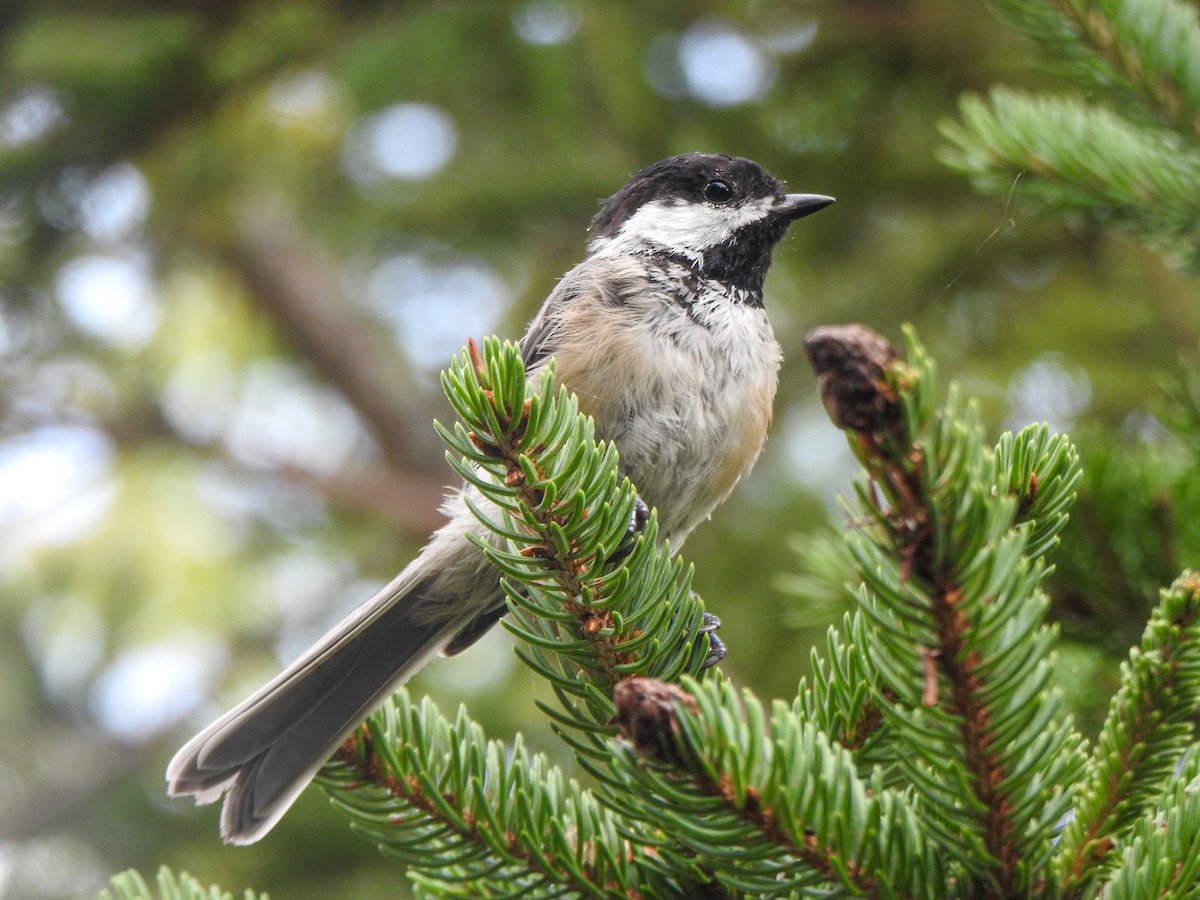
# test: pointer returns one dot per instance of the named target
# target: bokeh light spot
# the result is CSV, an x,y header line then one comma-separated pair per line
x,y
147,690
408,141
1051,389
302,95
546,22
114,204
722,66
30,116
110,298
54,485
284,418
433,305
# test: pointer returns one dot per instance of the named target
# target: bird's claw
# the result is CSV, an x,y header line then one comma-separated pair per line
x,y
716,647
637,522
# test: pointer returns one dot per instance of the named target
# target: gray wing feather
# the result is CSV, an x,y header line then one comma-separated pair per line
x,y
607,282
265,751
539,342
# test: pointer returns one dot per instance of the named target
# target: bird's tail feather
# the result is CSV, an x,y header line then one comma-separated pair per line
x,y
264,752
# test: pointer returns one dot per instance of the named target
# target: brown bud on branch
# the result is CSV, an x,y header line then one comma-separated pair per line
x,y
852,363
647,715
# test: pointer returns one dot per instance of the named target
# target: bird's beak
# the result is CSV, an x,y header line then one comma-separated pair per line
x,y
797,206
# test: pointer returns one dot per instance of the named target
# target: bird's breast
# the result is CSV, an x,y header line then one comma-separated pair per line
x,y
683,389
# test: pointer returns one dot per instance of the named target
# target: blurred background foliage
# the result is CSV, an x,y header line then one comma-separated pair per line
x,y
238,240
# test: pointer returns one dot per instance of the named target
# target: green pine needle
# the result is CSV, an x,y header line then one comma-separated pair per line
x,y
471,817
1161,857
774,806
954,648
131,886
1143,53
1148,727
927,756
1070,157
555,499
1128,156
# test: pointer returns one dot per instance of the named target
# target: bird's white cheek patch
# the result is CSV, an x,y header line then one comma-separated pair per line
x,y
685,228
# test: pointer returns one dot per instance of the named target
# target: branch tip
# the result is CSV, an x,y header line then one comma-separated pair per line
x,y
852,364
647,715
476,357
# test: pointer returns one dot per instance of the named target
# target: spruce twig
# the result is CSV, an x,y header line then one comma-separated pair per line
x,y
587,616
130,885
762,788
1147,728
939,679
472,817
1143,51
1162,856
851,361
947,563
1127,154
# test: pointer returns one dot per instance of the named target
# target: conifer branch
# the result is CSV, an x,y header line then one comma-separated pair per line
x,y
781,806
472,818
130,885
1147,727
1162,857
928,757
1072,157
1129,155
545,516
1147,48
840,695
945,562
591,603
915,531
500,442
1153,46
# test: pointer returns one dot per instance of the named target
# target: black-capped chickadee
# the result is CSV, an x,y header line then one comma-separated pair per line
x,y
661,334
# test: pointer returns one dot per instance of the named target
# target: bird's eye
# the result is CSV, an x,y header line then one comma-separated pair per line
x,y
718,191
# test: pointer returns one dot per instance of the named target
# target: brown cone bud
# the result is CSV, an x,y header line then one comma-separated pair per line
x,y
851,363
646,714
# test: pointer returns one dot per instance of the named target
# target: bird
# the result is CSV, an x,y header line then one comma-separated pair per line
x,y
662,335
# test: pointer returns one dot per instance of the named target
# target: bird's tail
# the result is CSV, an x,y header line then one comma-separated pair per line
x,y
264,752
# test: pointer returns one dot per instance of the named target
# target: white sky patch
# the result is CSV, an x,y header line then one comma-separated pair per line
x,y
200,396
817,452
684,228
310,608
110,297
242,498
1051,389
55,485
283,418
407,141
114,204
433,305
302,95
149,689
30,116
302,582
546,22
723,66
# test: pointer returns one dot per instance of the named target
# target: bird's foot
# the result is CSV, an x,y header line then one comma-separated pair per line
x,y
637,521
716,647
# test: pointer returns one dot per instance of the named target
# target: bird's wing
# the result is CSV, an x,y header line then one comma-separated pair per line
x,y
604,281
540,338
